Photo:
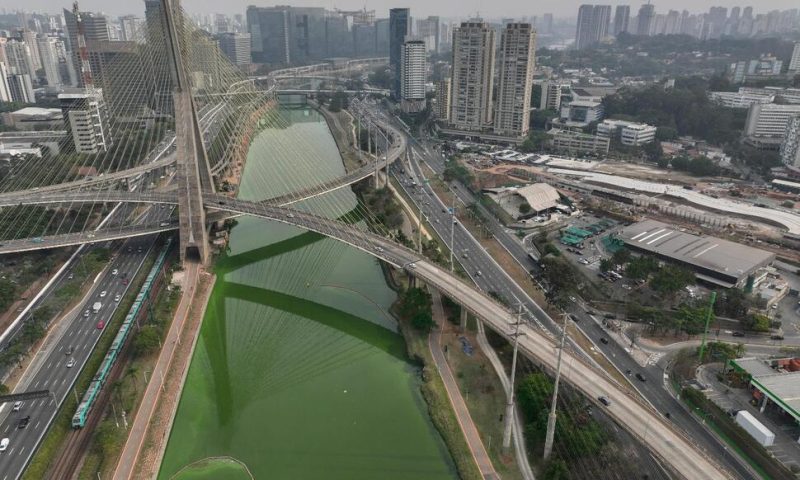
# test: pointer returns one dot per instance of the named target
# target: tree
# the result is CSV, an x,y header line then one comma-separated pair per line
x,y
606,264
670,279
148,340
556,469
524,208
422,321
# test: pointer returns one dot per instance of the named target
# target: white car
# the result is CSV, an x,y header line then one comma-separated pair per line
x,y
117,297
103,294
114,272
4,444
71,363
17,406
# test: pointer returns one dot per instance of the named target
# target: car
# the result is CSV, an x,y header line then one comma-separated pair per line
x,y
69,351
4,444
130,249
604,400
103,293
101,324
17,406
572,299
379,249
70,276
114,272
641,377
71,363
478,273
24,421
117,297
604,340
464,255
776,337
738,334
124,281
86,313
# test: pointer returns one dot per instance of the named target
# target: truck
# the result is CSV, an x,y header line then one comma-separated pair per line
x,y
756,429
96,307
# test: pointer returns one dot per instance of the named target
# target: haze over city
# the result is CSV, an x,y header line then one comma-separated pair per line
x,y
444,8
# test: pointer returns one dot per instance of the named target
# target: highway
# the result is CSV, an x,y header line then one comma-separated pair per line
x,y
493,279
76,332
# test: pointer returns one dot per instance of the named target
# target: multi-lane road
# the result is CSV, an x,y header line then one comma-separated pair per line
x,y
490,277
73,339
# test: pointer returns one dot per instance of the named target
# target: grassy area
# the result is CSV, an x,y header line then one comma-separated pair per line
x,y
107,442
439,408
61,425
485,398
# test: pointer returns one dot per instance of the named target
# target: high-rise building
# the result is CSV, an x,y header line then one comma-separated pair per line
x,y
790,148
429,29
647,13
592,26
29,37
5,90
94,30
131,28
794,61
20,87
517,55
769,120
412,75
399,28
86,120
443,99
19,59
48,49
235,46
472,78
547,23
622,18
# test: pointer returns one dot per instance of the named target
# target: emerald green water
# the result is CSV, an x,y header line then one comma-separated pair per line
x,y
299,372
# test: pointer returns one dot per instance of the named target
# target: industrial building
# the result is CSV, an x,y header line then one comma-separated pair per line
x,y
540,197
713,260
773,382
628,133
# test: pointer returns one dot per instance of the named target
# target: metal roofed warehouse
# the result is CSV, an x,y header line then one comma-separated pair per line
x,y
713,260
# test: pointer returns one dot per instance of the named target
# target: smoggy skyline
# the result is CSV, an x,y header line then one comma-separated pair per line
x,y
448,8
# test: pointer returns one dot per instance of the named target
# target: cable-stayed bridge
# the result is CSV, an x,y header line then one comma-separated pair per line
x,y
180,121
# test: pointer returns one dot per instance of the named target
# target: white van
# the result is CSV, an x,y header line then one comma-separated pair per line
x,y
3,444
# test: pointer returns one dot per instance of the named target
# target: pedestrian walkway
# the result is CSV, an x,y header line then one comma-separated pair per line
x,y
470,431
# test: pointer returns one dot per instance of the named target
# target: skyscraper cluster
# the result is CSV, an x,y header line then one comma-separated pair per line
x,y
473,77
594,22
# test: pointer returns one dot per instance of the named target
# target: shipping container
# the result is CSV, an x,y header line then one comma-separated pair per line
x,y
756,429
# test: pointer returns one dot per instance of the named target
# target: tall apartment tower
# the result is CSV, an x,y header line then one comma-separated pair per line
x,y
592,26
5,89
86,120
794,62
622,19
472,77
647,13
517,48
443,99
235,46
399,29
412,75
48,49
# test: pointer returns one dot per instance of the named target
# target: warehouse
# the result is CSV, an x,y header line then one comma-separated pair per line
x,y
714,260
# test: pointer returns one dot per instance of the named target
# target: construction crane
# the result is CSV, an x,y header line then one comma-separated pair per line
x,y
83,52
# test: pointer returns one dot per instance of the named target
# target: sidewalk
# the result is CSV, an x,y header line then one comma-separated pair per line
x,y
471,435
162,394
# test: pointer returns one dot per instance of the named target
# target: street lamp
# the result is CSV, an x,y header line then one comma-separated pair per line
x,y
510,402
551,418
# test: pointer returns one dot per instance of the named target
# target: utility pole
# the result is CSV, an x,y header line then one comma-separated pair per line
x,y
509,418
452,231
710,312
551,419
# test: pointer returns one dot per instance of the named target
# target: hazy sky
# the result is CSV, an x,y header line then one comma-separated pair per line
x,y
445,8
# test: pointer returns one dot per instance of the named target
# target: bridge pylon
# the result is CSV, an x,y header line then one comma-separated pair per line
x,y
193,170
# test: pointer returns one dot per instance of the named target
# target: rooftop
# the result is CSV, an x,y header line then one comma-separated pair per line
x,y
782,386
703,252
37,112
540,196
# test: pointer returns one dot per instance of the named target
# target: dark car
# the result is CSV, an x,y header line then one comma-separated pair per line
x,y
641,377
776,337
604,400
738,334
23,422
69,351
604,340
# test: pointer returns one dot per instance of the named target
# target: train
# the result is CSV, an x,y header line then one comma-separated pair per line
x,y
90,397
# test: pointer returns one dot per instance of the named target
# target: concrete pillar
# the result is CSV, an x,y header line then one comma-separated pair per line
x,y
464,318
763,405
412,281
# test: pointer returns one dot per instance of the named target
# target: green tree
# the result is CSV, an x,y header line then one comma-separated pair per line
x,y
147,340
606,264
556,469
670,279
422,321
524,208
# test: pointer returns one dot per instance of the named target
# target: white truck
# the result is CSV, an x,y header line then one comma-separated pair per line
x,y
96,307
756,429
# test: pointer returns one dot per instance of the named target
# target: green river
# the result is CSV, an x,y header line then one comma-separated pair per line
x,y
299,372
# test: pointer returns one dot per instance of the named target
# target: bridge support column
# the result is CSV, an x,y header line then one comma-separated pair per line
x,y
464,318
412,281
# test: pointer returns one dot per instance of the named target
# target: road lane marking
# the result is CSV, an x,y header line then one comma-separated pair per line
x,y
21,450
37,424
